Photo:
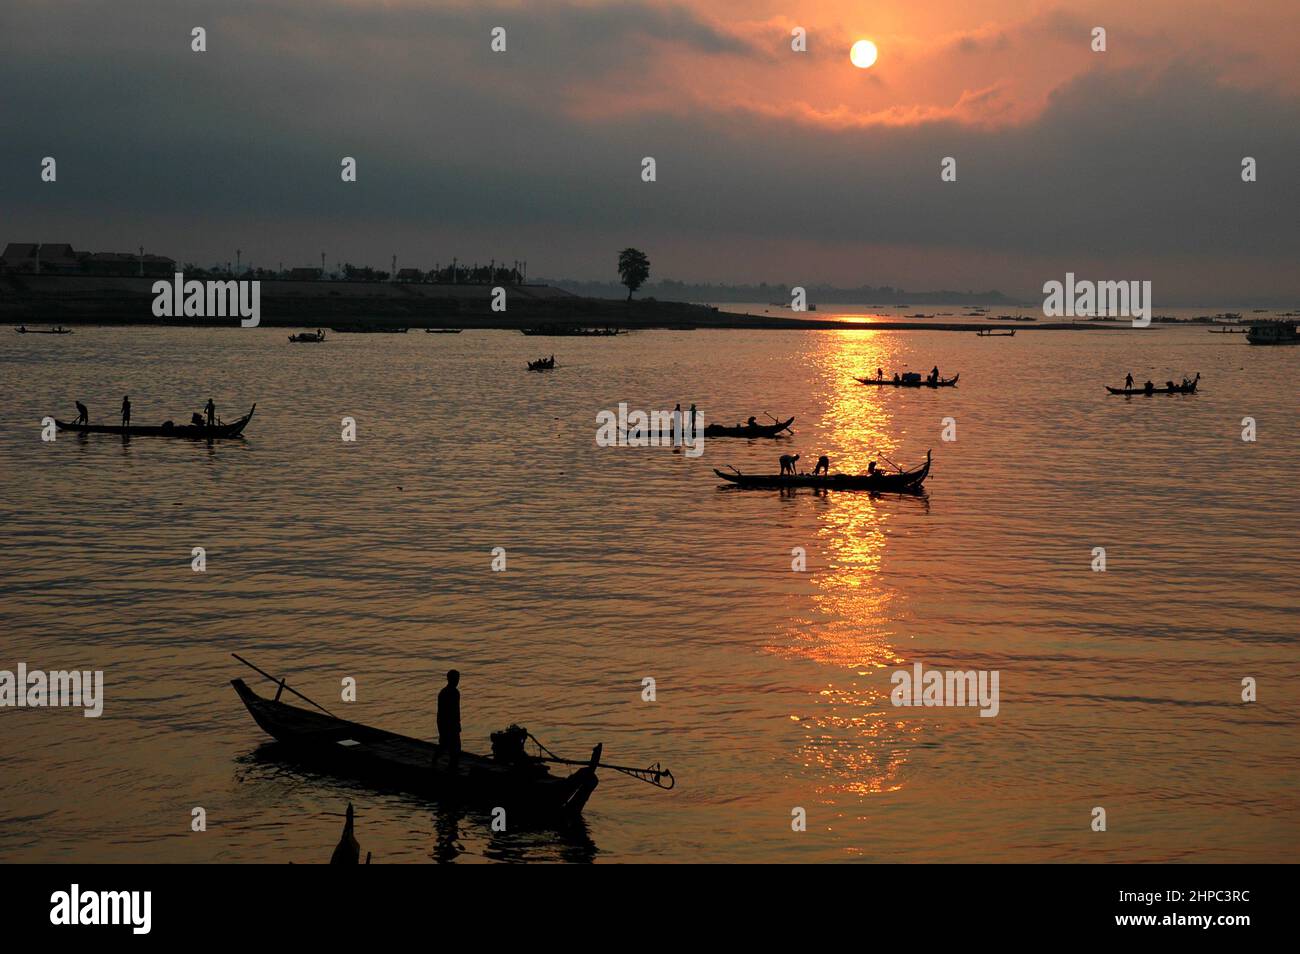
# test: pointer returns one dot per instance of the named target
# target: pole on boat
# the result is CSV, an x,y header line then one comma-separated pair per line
x,y
281,683
653,775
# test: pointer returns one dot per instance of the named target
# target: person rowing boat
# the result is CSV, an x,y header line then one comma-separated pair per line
x,y
83,416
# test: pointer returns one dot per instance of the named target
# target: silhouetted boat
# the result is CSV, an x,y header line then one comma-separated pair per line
x,y
542,364
368,330
911,381
60,330
1229,331
524,788
443,331
192,431
1189,388
745,430
990,333
308,337
904,482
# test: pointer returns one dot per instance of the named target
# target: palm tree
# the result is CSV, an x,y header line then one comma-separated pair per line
x,y
633,269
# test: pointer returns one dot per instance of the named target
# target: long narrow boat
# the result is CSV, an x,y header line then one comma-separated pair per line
x,y
24,330
308,337
990,333
746,430
192,431
524,788
1189,388
904,482
916,383
443,331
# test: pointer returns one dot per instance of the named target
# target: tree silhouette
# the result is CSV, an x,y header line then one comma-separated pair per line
x,y
633,269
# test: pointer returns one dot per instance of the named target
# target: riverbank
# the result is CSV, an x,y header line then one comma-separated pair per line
x,y
109,300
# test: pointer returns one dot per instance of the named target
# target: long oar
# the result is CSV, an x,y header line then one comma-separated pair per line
x,y
777,420
282,685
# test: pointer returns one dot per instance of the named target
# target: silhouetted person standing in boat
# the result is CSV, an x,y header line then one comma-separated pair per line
x,y
1128,381
692,431
83,416
449,720
211,412
126,410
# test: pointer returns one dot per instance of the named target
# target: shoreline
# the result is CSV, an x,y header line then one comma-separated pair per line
x,y
365,306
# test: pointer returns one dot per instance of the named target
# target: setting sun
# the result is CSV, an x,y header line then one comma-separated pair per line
x,y
863,54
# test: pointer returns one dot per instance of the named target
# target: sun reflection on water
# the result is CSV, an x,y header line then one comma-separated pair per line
x,y
855,742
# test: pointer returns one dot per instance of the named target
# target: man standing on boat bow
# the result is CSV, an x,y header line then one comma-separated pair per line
x,y
449,720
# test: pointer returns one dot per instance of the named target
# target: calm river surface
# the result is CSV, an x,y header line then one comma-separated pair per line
x,y
1119,689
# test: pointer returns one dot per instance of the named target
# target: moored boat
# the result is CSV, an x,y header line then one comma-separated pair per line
x,y
191,431
903,482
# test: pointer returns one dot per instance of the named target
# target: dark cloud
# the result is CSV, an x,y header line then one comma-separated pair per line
x,y
161,145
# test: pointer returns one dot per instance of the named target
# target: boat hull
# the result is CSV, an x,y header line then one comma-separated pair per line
x,y
759,430
190,431
908,482
389,760
891,383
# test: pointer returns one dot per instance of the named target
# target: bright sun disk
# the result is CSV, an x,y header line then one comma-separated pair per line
x,y
863,54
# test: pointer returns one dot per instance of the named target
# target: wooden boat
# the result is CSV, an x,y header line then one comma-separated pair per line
x,y
1189,388
443,331
1229,331
903,482
510,778
60,330
906,382
745,430
990,333
192,431
526,788
368,330
308,337
542,364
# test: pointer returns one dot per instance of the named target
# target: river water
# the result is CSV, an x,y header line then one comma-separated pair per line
x,y
373,560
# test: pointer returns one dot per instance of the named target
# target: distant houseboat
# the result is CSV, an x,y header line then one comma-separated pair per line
x,y
1273,333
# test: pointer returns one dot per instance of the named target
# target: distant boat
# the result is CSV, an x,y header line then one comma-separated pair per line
x,y
192,431
1188,388
903,482
1228,331
443,331
745,430
911,380
59,330
990,333
1272,333
542,364
308,337
368,330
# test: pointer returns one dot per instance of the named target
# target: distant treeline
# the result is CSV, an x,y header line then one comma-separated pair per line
x,y
670,290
